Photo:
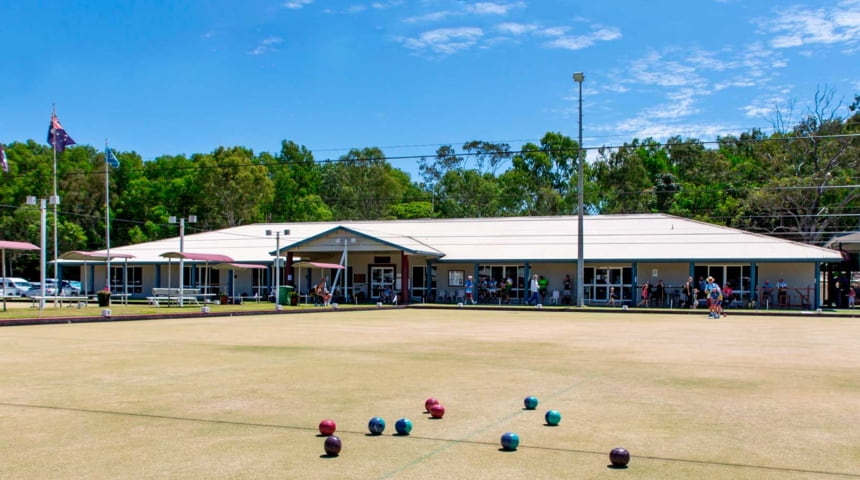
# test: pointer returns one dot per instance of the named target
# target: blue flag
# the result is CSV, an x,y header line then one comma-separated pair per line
x,y
57,136
3,159
110,158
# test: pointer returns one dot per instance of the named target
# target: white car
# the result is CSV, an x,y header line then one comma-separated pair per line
x,y
14,287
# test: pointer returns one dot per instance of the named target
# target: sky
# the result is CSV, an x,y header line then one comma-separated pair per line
x,y
166,77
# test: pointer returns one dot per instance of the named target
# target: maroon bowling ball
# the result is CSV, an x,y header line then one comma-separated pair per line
x,y
619,457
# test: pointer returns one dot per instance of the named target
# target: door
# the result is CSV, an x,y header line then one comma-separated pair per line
x,y
381,277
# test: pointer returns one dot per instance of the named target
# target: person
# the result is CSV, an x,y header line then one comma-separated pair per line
x,y
470,286
852,294
509,289
611,296
715,300
543,283
727,298
659,293
782,293
687,293
566,283
533,290
321,291
710,284
646,292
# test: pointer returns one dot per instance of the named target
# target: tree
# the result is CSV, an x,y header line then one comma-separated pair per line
x,y
234,188
361,185
297,179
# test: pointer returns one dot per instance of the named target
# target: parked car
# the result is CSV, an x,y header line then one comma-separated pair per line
x,y
65,290
36,290
75,287
14,287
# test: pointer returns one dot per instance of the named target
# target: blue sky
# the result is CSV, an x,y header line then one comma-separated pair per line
x,y
171,77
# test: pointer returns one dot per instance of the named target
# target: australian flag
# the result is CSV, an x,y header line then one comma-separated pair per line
x,y
3,159
57,136
110,158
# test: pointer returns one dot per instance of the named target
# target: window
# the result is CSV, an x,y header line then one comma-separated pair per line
x,y
456,278
120,275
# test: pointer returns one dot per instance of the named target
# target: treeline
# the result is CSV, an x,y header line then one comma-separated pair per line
x,y
800,183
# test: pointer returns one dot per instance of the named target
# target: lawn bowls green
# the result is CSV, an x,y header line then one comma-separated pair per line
x,y
552,417
403,426
376,425
510,441
530,402
619,457
332,445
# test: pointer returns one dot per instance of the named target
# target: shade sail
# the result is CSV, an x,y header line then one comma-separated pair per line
x,y
239,266
202,257
12,245
101,256
335,266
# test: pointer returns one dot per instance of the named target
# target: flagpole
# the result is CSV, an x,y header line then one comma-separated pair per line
x,y
56,201
107,216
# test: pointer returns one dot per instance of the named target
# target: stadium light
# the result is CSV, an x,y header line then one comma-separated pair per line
x,y
579,77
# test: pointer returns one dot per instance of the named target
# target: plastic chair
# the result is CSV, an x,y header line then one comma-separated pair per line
x,y
459,297
556,298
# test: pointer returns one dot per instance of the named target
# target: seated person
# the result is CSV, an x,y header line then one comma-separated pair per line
x,y
321,291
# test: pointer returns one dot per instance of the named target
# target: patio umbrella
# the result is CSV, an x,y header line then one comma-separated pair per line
x,y
11,245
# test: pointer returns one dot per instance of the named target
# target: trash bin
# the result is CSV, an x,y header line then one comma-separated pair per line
x,y
284,294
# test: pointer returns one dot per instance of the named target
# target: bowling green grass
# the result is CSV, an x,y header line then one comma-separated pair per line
x,y
241,398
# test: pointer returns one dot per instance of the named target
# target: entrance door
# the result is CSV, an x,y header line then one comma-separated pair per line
x,y
380,278
604,279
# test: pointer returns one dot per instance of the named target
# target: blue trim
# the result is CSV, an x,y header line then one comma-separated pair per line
x,y
311,239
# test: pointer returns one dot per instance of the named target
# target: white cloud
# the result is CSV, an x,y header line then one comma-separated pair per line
x,y
296,4
578,42
797,26
492,8
266,45
444,41
431,17
516,29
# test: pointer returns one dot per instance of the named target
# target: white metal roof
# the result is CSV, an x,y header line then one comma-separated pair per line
x,y
608,238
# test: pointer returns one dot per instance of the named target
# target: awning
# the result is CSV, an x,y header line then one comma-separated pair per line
x,y
202,257
239,266
100,256
335,266
12,245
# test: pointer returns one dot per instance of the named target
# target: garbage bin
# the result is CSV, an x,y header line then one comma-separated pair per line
x,y
284,294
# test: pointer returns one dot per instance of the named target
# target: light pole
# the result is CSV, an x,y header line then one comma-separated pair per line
x,y
579,77
43,220
277,234
190,219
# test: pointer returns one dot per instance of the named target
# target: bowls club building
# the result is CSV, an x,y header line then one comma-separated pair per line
x,y
430,260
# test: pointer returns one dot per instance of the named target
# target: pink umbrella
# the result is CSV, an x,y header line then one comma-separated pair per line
x,y
4,244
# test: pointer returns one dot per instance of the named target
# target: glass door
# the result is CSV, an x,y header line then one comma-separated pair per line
x,y
381,280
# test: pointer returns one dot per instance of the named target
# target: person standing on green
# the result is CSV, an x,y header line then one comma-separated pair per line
x,y
543,283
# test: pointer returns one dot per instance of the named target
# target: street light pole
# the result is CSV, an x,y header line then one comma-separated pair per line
x,y
579,77
43,221
277,235
191,219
